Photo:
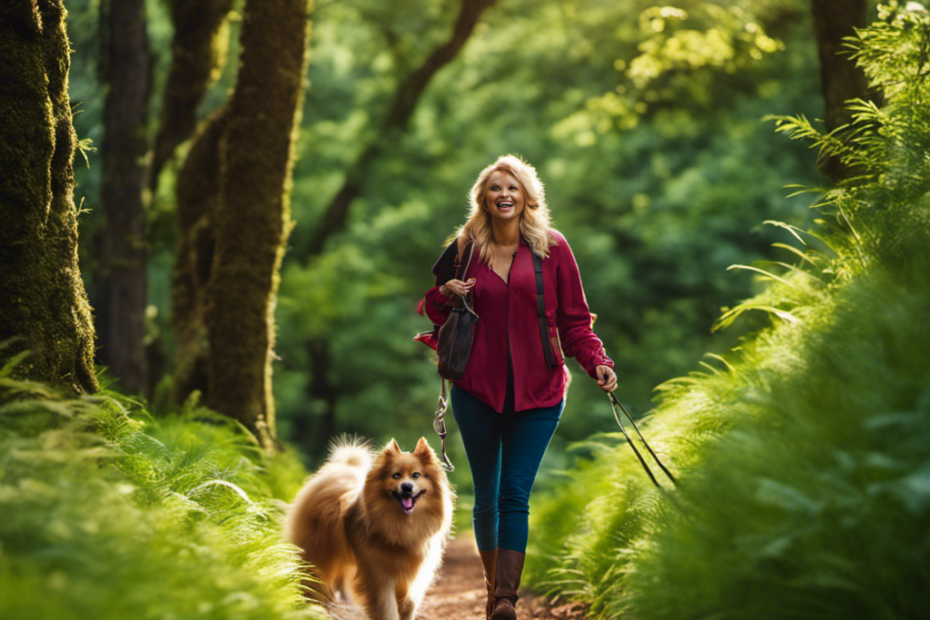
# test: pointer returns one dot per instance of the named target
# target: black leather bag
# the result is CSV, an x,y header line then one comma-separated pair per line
x,y
458,332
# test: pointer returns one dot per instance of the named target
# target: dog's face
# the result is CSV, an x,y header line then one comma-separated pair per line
x,y
409,477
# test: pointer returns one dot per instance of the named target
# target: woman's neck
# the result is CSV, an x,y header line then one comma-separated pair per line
x,y
506,234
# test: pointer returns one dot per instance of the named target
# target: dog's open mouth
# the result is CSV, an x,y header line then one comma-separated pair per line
x,y
407,502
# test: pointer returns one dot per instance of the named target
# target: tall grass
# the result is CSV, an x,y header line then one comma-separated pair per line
x,y
803,464
106,513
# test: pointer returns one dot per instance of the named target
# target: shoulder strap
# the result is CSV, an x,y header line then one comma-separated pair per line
x,y
459,271
541,312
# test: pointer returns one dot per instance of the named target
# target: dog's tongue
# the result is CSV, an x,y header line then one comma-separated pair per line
x,y
407,504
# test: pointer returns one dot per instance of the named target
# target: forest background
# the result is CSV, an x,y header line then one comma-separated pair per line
x,y
647,124
659,170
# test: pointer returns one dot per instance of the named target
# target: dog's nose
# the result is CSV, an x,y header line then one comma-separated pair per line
x,y
406,488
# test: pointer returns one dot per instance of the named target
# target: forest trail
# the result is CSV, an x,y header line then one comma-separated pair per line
x,y
459,593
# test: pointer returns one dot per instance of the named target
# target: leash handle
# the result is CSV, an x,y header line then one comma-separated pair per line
x,y
614,404
439,424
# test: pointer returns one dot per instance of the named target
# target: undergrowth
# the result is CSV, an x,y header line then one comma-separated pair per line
x,y
804,478
107,513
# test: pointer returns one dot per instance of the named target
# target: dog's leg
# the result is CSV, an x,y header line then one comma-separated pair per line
x,y
425,575
406,604
376,594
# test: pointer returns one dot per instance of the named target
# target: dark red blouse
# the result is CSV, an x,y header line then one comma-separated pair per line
x,y
508,319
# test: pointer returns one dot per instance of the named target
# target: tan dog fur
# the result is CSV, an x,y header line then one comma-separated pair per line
x,y
354,532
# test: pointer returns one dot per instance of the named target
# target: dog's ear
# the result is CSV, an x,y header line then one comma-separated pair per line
x,y
423,450
392,447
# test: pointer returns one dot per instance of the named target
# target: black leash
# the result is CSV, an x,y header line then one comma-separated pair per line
x,y
614,404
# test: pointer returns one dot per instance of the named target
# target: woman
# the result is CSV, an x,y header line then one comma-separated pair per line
x,y
508,402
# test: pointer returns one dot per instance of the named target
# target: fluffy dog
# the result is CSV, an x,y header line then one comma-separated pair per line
x,y
374,526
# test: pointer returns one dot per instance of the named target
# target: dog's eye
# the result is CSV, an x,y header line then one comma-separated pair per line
x,y
415,475
396,475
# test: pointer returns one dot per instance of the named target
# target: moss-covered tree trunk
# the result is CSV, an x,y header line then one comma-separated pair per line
x,y
198,55
121,313
43,305
254,218
234,216
197,206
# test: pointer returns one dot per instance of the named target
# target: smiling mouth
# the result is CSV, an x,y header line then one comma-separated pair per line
x,y
407,502
504,205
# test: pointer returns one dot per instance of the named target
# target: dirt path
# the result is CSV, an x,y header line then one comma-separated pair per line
x,y
459,593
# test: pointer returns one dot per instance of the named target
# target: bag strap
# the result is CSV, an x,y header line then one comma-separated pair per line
x,y
442,406
541,312
459,272
614,404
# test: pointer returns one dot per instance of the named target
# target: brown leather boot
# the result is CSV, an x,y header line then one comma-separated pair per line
x,y
489,561
508,572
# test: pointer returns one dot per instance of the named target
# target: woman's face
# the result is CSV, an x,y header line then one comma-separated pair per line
x,y
503,196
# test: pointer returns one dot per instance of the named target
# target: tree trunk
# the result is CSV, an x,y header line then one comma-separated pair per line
x,y
43,305
124,296
197,207
198,56
841,79
402,108
253,221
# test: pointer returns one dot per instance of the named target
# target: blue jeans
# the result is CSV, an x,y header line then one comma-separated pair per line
x,y
504,452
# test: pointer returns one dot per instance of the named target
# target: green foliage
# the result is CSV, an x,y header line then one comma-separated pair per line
x,y
690,57
802,461
654,213
109,514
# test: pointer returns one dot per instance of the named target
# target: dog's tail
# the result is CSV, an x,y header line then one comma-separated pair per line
x,y
351,451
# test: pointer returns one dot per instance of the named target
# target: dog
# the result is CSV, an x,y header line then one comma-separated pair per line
x,y
373,527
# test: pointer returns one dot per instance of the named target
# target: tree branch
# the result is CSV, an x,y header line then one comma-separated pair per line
x,y
402,108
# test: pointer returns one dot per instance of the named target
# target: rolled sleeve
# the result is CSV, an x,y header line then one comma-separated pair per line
x,y
436,305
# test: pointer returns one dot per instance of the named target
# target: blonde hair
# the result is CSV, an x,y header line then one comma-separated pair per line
x,y
534,221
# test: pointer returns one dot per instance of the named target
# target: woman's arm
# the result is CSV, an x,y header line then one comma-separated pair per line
x,y
435,305
447,294
440,300
574,320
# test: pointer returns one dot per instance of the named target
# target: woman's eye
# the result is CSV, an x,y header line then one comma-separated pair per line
x,y
415,475
495,188
396,476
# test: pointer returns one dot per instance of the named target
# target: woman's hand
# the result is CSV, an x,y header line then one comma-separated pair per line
x,y
457,287
606,378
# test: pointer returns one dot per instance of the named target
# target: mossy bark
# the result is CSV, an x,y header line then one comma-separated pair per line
x,y
197,208
254,219
198,55
234,216
43,305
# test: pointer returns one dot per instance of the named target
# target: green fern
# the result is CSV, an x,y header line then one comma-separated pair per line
x,y
804,477
110,514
